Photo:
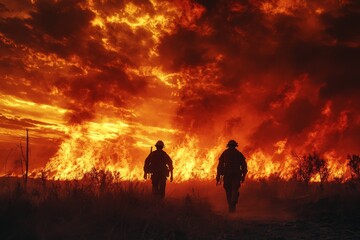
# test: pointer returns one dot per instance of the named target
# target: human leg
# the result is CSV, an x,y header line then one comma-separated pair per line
x,y
235,185
162,186
228,190
155,185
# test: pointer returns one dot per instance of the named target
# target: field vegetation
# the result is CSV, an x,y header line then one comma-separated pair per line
x,y
97,207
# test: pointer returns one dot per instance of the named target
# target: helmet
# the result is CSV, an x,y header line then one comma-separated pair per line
x,y
232,143
160,144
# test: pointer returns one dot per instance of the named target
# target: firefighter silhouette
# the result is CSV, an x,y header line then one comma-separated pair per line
x,y
232,170
159,165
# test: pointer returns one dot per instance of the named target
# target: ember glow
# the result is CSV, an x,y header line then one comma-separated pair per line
x,y
98,82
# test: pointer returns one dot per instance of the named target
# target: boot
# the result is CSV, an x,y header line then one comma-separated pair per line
x,y
232,207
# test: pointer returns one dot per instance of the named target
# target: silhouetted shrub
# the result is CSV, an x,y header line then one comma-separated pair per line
x,y
102,179
310,165
354,164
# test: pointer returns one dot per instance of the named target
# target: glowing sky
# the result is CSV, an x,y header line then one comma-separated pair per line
x,y
276,75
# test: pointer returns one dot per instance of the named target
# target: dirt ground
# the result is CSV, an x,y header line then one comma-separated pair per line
x,y
285,210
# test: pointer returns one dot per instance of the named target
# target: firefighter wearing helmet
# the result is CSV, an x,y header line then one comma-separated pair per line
x,y
232,169
159,165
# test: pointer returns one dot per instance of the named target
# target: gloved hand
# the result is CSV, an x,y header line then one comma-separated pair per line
x,y
242,178
171,178
145,176
217,179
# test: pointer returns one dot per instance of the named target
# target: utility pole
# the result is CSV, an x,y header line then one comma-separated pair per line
x,y
27,156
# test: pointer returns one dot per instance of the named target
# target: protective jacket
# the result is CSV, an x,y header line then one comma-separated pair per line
x,y
158,163
232,163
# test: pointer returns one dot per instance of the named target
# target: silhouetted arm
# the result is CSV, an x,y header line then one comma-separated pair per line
x,y
171,175
244,169
170,166
220,168
147,165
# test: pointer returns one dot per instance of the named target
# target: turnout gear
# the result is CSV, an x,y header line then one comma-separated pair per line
x,y
232,166
160,166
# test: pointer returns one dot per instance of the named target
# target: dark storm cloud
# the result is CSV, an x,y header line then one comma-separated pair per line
x,y
64,28
59,27
187,49
61,19
16,29
48,25
264,135
344,83
344,24
270,51
111,86
3,8
134,45
51,27
300,115
8,65
184,49
240,37
278,43
231,124
197,113
210,4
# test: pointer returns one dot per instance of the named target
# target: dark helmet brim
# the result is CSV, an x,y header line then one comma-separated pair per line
x,y
232,143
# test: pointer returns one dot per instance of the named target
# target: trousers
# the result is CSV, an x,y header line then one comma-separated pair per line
x,y
232,185
158,185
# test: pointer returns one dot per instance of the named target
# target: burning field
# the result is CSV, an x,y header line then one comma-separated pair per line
x,y
98,82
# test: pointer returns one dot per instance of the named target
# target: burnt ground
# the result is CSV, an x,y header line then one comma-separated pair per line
x,y
191,210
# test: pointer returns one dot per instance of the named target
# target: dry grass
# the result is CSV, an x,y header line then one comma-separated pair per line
x,y
90,209
83,210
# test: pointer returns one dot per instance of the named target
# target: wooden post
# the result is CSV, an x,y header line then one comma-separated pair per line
x,y
27,156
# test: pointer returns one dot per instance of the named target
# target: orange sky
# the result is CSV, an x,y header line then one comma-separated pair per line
x,y
97,82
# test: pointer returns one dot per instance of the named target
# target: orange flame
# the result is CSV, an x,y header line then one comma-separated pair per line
x,y
85,150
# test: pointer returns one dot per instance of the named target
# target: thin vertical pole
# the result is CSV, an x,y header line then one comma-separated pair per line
x,y
27,156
